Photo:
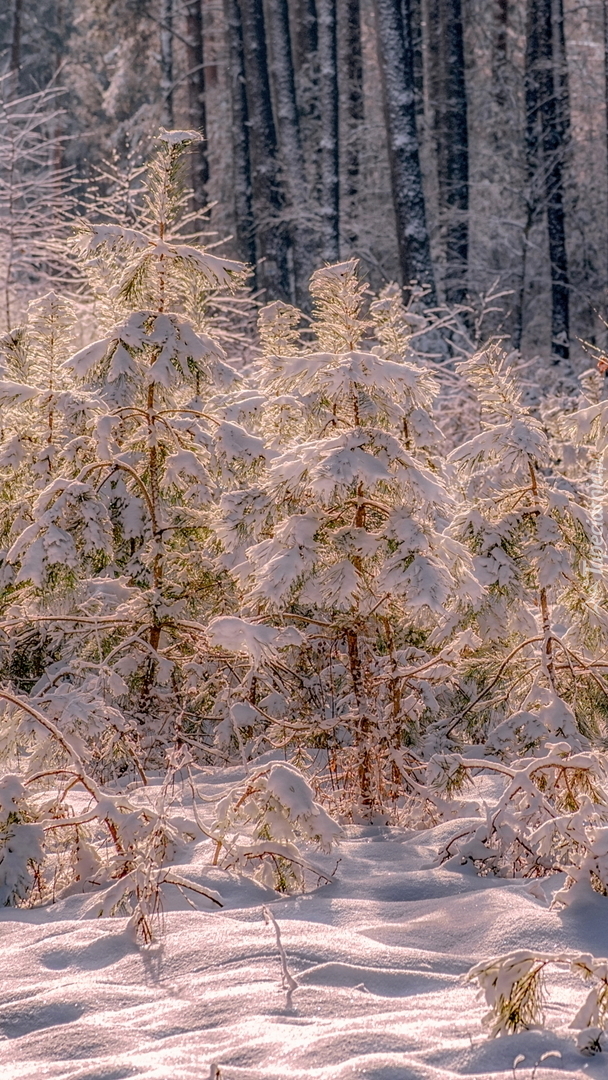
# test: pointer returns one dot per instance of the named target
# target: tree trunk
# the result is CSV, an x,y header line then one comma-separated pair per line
x,y
15,57
363,728
243,212
328,100
546,136
166,62
532,137
397,71
196,99
306,38
556,127
272,271
499,51
532,158
351,62
606,71
417,53
290,145
561,70
451,134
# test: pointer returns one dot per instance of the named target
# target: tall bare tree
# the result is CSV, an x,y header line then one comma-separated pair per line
x,y
547,125
195,58
605,28
328,101
293,169
243,209
397,71
306,37
271,239
350,58
15,53
416,20
166,62
452,139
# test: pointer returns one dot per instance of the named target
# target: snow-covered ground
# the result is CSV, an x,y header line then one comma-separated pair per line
x,y
379,956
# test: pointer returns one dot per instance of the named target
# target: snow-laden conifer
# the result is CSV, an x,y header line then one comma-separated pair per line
x,y
531,540
113,457
533,683
352,546
123,508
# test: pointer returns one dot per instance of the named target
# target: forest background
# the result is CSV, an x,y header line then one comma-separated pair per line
x,y
462,143
252,597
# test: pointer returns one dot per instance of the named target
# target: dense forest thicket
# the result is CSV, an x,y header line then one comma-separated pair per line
x,y
300,489
461,143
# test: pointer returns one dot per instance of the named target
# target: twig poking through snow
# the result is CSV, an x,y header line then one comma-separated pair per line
x,y
289,983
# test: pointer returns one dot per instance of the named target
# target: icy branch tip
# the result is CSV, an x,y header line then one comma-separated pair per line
x,y
175,138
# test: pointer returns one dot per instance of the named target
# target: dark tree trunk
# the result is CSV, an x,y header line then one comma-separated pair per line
x,y
397,70
499,51
605,12
328,101
451,133
166,61
532,138
553,112
272,270
417,53
243,212
532,156
606,69
306,37
546,137
561,71
15,58
196,98
290,145
351,62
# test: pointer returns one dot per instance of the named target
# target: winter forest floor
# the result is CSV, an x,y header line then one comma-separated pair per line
x,y
379,956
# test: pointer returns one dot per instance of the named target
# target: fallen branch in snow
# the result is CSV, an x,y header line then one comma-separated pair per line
x,y
289,983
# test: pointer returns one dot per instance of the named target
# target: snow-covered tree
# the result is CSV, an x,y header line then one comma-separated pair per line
x,y
112,459
531,540
534,691
346,537
111,536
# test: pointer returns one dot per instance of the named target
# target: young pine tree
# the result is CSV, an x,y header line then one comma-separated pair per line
x,y
110,546
352,544
532,542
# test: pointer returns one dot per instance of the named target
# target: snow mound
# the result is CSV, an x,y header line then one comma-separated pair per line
x,y
378,957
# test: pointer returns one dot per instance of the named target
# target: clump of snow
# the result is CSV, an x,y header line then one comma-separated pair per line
x,y
255,639
177,137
